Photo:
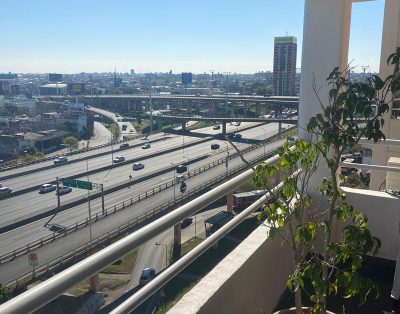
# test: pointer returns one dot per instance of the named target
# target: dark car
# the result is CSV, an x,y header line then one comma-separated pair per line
x,y
186,222
216,127
238,135
57,228
181,168
147,275
214,146
124,146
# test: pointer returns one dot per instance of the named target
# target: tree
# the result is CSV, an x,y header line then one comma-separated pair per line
x,y
71,142
5,293
354,110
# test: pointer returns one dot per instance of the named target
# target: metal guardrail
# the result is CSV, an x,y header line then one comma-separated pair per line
x,y
47,291
116,208
49,267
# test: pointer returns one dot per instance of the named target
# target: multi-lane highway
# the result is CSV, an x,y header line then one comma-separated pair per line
x,y
19,206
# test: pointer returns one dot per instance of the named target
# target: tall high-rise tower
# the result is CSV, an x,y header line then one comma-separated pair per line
x,y
285,54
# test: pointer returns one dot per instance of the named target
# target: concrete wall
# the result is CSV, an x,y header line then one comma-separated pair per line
x,y
383,212
250,279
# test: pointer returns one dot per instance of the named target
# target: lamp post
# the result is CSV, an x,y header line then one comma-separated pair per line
x,y
112,150
227,157
174,182
166,252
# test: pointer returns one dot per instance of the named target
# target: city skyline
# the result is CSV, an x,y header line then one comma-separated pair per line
x,y
155,36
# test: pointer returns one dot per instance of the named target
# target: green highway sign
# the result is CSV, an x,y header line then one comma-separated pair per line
x,y
69,182
84,185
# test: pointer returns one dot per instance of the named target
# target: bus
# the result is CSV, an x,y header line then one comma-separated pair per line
x,y
245,199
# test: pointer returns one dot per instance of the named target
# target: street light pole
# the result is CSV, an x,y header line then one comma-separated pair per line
x,y
90,210
174,183
227,157
166,252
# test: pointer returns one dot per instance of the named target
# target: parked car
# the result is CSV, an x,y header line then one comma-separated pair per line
x,y
118,159
146,145
147,275
45,188
181,168
186,222
64,190
60,159
5,190
214,146
137,166
124,146
216,127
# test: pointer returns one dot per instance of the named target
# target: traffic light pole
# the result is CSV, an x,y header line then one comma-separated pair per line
x,y
102,198
58,195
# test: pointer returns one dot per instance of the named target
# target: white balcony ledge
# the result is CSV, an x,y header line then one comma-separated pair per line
x,y
249,280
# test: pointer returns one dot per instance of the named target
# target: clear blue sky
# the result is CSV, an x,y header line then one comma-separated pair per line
x,y
159,35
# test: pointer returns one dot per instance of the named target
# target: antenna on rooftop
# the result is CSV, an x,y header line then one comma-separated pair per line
x,y
365,67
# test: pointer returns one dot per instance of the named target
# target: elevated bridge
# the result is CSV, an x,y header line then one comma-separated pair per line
x,y
214,104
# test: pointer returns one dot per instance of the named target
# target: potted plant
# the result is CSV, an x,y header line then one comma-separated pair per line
x,y
303,214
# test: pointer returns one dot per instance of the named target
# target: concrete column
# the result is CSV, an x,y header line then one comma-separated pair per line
x,y
223,128
177,241
229,202
391,128
326,33
183,127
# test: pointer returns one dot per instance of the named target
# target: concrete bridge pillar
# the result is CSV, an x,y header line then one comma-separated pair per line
x,y
177,241
257,108
245,109
159,123
183,126
223,128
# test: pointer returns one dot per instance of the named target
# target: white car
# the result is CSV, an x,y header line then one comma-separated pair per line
x,y
137,166
60,159
45,188
118,159
146,145
64,190
5,190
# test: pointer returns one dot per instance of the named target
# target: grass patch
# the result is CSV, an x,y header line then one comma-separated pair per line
x,y
140,126
124,266
113,128
189,245
201,124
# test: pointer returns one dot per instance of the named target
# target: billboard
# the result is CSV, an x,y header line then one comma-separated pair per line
x,y
285,40
76,88
55,77
187,78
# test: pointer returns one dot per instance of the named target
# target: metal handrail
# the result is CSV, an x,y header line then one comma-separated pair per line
x,y
47,291
140,296
368,166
